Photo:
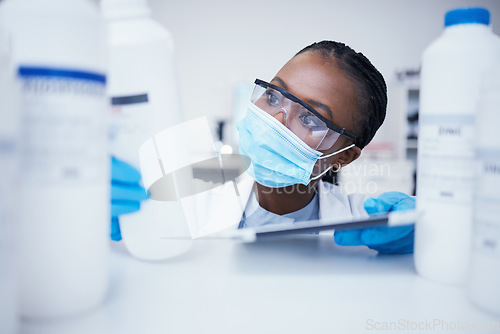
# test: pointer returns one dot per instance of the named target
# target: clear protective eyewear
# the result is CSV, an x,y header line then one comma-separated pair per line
x,y
305,122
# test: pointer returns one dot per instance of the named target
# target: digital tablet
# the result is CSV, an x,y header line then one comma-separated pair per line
x,y
252,234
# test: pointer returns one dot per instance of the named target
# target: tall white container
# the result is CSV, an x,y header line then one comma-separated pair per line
x,y
144,96
484,272
9,154
59,53
451,69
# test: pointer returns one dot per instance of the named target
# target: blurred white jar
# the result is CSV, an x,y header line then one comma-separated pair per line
x,y
59,54
451,69
144,96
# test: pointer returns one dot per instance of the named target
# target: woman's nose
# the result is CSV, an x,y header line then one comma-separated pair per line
x,y
280,116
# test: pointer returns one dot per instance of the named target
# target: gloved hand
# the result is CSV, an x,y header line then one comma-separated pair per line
x,y
126,193
384,239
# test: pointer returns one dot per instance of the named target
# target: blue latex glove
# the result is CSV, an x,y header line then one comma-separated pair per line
x,y
126,193
386,240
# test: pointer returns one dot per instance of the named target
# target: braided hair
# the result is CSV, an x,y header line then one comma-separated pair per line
x,y
371,89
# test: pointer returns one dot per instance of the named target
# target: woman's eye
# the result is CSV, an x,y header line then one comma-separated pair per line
x,y
272,98
308,120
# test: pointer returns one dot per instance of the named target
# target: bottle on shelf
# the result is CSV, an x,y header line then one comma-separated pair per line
x,y
144,97
450,79
63,223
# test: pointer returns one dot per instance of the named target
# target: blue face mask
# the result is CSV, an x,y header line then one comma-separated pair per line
x,y
279,158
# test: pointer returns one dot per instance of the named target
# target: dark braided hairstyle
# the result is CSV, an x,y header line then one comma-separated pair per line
x,y
371,90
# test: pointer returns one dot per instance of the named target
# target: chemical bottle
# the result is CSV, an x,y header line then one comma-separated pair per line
x,y
9,155
144,101
484,272
63,245
451,69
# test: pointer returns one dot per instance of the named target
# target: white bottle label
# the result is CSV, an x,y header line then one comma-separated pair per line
x,y
64,130
130,126
486,234
445,158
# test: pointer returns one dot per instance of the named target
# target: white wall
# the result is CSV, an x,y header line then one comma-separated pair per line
x,y
221,42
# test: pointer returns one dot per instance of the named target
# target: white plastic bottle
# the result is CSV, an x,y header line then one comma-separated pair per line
x,y
451,69
9,154
145,101
59,53
484,272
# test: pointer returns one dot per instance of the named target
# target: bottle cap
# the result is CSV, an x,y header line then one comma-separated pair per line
x,y
121,9
467,15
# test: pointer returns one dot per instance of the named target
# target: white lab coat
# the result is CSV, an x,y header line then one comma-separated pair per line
x,y
222,209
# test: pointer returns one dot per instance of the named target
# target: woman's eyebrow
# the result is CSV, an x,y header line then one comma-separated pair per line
x,y
313,103
281,82
317,104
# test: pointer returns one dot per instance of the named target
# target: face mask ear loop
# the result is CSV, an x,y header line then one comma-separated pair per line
x,y
327,156
319,175
337,152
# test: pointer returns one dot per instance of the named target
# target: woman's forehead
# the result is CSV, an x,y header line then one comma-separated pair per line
x,y
316,80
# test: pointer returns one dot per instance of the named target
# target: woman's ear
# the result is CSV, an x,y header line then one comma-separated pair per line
x,y
349,155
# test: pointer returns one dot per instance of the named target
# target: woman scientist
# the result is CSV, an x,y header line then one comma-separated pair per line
x,y
317,114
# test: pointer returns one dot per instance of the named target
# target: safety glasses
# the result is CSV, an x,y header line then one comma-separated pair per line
x,y
302,119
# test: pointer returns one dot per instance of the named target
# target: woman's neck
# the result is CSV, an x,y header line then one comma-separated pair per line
x,y
285,200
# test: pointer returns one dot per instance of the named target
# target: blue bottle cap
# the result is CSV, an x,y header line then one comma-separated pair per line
x,y
467,15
